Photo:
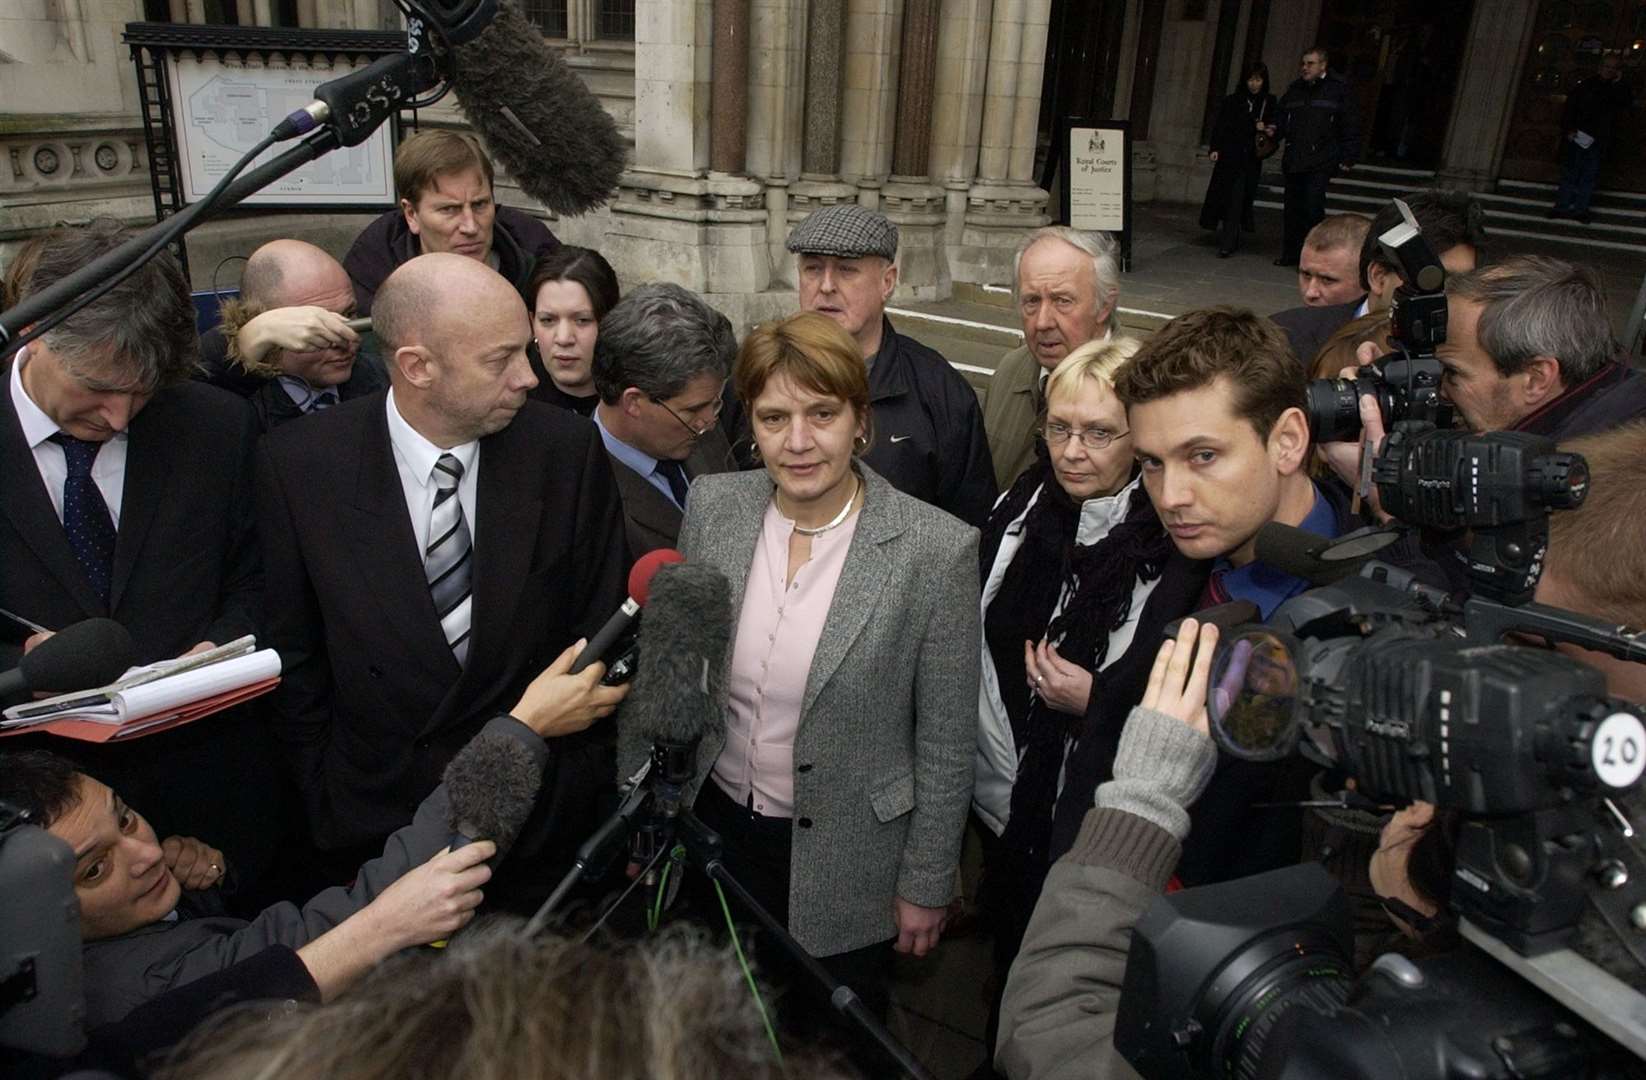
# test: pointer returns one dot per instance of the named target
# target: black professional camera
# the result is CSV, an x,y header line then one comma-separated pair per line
x,y
1497,486
1405,382
1378,675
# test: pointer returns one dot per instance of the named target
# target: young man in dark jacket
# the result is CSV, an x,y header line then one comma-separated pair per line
x,y
1322,134
1586,128
445,181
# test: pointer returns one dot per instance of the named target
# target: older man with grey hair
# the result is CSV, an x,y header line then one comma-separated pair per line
x,y
1066,283
1529,347
660,368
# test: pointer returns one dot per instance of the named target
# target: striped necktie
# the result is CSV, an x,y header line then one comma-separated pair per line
x,y
446,561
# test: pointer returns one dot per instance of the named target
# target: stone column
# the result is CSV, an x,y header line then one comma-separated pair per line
x,y
671,221
868,97
957,115
1004,202
262,12
911,201
825,60
820,183
1485,97
729,90
777,80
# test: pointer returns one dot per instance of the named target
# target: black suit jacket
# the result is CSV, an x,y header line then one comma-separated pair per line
x,y
1307,328
185,571
373,704
650,518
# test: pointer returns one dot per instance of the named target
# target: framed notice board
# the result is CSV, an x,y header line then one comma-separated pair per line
x,y
1097,187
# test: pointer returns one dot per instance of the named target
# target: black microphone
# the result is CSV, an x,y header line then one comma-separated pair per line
x,y
536,115
679,684
81,656
1317,559
640,581
492,785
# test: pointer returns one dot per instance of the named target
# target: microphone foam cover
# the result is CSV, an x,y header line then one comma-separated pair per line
x,y
578,154
81,656
685,634
645,567
1292,550
492,784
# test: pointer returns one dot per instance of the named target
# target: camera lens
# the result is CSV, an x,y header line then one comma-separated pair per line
x,y
1334,410
1300,967
1252,701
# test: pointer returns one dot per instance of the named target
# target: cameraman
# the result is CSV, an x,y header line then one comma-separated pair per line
x,y
1058,1014
1529,348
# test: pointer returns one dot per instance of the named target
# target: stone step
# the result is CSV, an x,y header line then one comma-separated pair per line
x,y
1520,214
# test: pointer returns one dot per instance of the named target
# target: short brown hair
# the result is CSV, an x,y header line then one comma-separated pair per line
x,y
1199,347
1595,550
424,157
812,350
1338,231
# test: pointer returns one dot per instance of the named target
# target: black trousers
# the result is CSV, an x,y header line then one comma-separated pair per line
x,y
757,850
1237,210
1305,207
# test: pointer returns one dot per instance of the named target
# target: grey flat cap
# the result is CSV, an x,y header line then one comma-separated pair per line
x,y
847,231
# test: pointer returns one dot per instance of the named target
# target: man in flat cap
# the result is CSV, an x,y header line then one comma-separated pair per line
x,y
928,428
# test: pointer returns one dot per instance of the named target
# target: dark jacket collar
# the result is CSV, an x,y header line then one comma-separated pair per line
x,y
1610,396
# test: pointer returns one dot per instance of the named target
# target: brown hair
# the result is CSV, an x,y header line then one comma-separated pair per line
x,y
503,1004
1199,347
1341,349
812,350
21,269
428,155
1595,549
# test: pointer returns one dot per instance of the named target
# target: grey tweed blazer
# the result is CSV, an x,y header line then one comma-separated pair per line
x,y
888,726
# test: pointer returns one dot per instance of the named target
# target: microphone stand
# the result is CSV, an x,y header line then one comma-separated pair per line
x,y
704,847
596,848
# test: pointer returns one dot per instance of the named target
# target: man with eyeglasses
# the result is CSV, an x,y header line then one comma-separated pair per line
x,y
928,438
660,368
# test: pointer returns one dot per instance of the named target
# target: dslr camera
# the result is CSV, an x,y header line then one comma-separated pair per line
x,y
1405,382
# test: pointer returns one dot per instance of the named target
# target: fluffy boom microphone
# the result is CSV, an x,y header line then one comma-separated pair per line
x,y
679,683
536,116
491,784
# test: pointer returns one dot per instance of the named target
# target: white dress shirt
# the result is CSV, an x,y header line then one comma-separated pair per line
x,y
108,470
414,458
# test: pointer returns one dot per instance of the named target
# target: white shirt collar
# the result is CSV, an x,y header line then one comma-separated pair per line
x,y
37,426
1098,516
419,453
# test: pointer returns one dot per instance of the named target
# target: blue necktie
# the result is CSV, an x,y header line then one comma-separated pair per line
x,y
86,516
674,474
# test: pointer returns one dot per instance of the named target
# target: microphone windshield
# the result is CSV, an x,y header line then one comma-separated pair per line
x,y
646,567
679,683
492,784
81,656
536,116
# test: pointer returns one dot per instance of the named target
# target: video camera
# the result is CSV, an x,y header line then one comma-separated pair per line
x,y
1419,697
1406,382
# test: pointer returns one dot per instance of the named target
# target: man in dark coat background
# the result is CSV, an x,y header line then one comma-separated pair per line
x,y
1322,134
1586,128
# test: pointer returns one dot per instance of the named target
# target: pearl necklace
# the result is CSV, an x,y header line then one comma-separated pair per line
x,y
838,518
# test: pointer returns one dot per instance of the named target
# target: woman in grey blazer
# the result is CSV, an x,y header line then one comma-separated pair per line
x,y
842,778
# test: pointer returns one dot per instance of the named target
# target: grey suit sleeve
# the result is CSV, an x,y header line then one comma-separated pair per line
x,y
945,730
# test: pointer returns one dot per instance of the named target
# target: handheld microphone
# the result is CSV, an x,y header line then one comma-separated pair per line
x,y
640,580
679,685
81,656
1317,559
492,785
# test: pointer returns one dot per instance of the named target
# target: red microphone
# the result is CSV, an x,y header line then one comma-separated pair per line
x,y
640,584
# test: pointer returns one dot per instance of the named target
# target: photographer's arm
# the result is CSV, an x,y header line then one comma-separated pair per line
x,y
1064,990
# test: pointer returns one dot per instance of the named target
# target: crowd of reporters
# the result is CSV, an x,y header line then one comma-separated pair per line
x,y
936,605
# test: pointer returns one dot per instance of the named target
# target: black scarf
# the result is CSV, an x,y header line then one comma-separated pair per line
x,y
1099,579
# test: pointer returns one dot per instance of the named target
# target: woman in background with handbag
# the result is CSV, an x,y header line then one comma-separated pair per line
x,y
1242,137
